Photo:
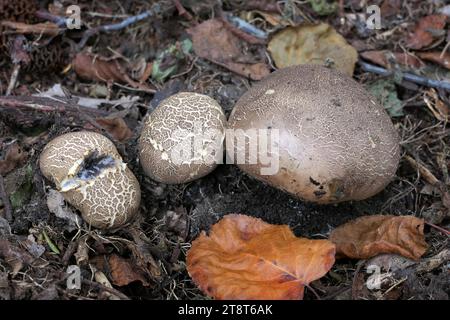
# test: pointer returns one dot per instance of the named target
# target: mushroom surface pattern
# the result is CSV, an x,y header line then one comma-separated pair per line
x,y
336,142
91,175
182,139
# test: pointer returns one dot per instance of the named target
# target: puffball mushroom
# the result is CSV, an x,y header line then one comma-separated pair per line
x,y
336,142
182,139
91,175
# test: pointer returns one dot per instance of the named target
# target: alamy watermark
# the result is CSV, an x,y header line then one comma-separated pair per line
x,y
73,14
205,146
371,17
73,280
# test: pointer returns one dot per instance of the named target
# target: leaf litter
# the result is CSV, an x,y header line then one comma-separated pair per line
x,y
172,52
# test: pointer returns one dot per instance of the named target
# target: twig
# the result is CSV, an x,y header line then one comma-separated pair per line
x,y
431,263
5,200
26,111
45,15
118,26
100,286
244,26
427,175
446,232
241,32
181,10
313,291
13,79
406,76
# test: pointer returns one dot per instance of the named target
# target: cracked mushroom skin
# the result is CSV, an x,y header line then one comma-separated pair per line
x,y
182,139
336,142
91,175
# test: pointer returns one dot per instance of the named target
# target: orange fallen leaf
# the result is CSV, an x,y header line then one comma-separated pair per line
x,y
94,67
116,127
14,157
436,57
123,272
369,236
385,58
425,31
213,41
246,258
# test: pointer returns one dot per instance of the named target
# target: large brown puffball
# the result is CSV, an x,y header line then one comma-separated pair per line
x,y
336,142
182,139
91,175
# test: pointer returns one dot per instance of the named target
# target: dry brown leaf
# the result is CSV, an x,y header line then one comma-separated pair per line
x,y
116,127
316,44
14,256
14,157
369,236
390,8
385,58
426,31
93,67
213,41
47,28
436,57
439,109
246,258
123,272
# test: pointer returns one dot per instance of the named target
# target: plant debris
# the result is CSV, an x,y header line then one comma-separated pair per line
x,y
110,74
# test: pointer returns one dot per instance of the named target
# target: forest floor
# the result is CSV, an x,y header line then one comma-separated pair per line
x,y
157,59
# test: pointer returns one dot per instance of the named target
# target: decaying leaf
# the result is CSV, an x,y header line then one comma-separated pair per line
x,y
212,41
24,191
426,31
14,256
390,8
14,157
57,206
316,44
323,7
386,93
369,236
94,67
436,57
123,272
167,62
440,110
246,258
116,127
386,58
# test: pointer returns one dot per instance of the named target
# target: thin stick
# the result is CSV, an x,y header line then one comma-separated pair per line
x,y
13,79
100,286
240,31
116,26
446,232
245,26
406,76
45,15
181,10
5,200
